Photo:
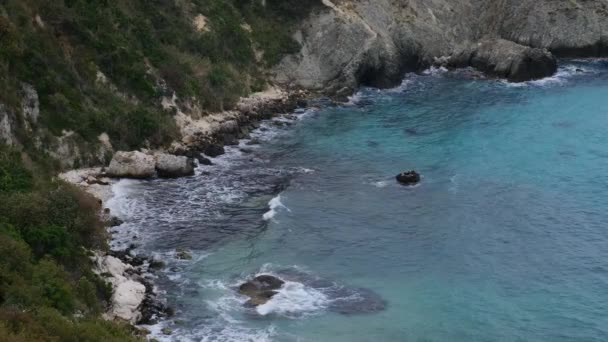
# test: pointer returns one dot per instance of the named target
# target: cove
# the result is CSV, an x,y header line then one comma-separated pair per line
x,y
505,238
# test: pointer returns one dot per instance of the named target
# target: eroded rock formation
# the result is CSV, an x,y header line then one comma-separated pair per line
x,y
373,42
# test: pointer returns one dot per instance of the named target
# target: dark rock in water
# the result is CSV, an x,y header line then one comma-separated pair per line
x,y
253,142
260,289
138,260
203,160
503,58
114,222
152,310
246,150
408,178
157,264
411,131
579,70
302,103
214,150
230,140
183,254
350,301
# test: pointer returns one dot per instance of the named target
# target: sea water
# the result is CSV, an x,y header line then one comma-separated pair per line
x,y
504,239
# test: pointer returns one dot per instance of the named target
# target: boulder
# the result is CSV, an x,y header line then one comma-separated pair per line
x,y
408,177
203,160
506,59
133,164
214,150
170,166
260,289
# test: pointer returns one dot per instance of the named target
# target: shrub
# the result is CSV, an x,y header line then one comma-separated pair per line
x,y
13,176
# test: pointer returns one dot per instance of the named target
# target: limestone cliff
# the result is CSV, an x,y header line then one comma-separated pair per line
x,y
353,42
82,79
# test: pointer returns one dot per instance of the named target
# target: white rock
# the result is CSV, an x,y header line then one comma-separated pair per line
x,y
169,166
128,294
200,23
132,165
127,300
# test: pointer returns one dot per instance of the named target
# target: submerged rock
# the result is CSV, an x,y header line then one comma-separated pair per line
x,y
408,177
260,289
170,166
133,164
183,254
343,299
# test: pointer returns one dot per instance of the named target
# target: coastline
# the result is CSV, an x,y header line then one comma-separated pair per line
x,y
135,299
129,271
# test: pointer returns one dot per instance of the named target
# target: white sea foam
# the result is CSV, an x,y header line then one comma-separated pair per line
x,y
401,87
274,205
354,98
294,298
381,184
302,169
237,334
563,74
118,203
434,70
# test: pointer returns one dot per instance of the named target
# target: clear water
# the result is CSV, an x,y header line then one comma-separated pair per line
x,y
505,239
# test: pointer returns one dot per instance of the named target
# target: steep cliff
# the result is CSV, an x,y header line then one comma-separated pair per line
x,y
353,42
82,79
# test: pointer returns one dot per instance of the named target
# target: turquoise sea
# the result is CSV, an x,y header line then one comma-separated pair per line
x,y
505,238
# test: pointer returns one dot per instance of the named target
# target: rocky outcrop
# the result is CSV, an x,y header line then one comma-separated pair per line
x,y
128,295
170,166
133,164
260,289
505,59
408,178
209,134
6,126
569,28
352,42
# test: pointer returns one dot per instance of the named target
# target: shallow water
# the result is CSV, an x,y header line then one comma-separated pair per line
x,y
505,239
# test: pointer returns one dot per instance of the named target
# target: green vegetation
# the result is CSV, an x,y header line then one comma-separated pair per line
x,y
47,289
60,46
104,66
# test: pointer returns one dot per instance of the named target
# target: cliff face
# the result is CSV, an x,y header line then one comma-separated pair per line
x,y
113,75
353,42
81,79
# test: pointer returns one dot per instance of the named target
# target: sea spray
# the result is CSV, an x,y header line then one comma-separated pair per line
x,y
274,205
294,299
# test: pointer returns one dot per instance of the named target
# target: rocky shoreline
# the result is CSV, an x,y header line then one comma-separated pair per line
x,y
134,298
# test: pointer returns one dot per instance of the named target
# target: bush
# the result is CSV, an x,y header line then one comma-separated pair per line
x,y
13,176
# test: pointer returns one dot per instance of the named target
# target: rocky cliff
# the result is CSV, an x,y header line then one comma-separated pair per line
x,y
372,42
82,79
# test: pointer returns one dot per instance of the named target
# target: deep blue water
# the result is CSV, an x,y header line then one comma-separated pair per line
x,y
505,239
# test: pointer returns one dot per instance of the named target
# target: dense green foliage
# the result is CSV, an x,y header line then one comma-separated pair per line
x,y
104,66
47,289
59,46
